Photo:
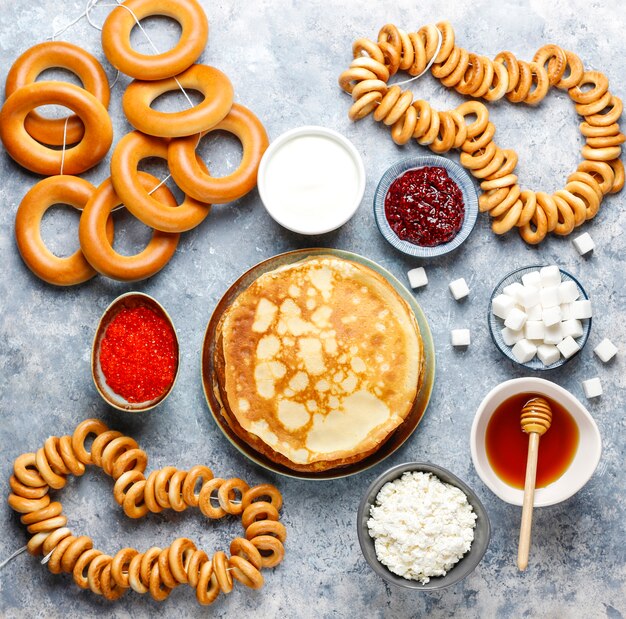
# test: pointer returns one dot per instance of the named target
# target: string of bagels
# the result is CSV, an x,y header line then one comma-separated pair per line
x,y
468,128
157,570
86,136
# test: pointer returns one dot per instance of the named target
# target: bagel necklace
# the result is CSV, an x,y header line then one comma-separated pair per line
x,y
157,570
534,213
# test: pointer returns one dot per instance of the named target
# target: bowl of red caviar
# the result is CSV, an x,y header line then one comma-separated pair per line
x,y
135,358
425,206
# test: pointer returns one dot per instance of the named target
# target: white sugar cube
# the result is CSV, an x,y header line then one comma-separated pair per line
x,y
417,277
502,305
551,315
529,296
573,328
549,296
568,346
566,311
548,353
460,337
534,312
581,309
516,319
584,244
459,288
513,290
524,351
534,330
568,291
532,279
605,350
553,335
592,387
510,337
550,276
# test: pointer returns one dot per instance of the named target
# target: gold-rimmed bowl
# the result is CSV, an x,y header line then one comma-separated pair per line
x,y
128,300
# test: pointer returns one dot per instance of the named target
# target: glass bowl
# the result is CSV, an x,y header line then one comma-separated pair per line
x,y
457,174
497,324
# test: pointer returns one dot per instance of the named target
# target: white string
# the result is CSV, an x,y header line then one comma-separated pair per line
x,y
19,551
47,557
64,143
89,7
430,63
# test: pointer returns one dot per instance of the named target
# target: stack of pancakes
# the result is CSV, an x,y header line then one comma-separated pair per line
x,y
318,363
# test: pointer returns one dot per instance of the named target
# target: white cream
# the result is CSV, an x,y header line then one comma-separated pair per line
x,y
311,183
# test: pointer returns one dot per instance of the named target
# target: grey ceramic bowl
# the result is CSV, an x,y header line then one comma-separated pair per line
x,y
465,566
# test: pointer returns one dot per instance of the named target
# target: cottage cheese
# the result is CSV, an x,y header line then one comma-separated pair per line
x,y
421,526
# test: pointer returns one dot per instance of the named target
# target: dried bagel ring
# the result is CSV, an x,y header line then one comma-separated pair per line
x,y
62,55
209,81
39,158
99,251
130,150
122,19
66,271
187,171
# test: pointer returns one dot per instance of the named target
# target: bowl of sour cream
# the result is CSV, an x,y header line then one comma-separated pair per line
x,y
311,180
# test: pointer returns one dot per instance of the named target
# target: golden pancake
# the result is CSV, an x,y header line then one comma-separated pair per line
x,y
318,363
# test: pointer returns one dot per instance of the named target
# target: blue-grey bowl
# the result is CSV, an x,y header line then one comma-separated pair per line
x,y
497,324
457,174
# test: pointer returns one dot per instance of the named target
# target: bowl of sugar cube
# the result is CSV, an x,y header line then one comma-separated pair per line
x,y
540,317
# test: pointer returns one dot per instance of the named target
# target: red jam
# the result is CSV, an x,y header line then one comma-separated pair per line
x,y
425,206
138,354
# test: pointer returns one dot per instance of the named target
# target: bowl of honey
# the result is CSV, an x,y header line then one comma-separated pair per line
x,y
569,451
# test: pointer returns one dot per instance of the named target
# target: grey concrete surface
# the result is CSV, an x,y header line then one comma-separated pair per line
x,y
283,58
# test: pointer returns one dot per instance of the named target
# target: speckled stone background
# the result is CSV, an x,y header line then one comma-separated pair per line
x,y
283,58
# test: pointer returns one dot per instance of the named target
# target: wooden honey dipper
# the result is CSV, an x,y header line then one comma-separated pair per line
x,y
535,420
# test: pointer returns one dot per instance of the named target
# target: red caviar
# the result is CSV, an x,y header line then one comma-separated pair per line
x,y
138,354
425,206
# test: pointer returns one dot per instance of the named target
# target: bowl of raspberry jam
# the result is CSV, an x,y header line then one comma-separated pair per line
x,y
134,359
425,206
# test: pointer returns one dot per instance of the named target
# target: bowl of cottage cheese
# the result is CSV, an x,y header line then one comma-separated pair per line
x,y
421,527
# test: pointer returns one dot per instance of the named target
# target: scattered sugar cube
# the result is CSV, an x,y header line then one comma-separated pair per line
x,y
502,305
581,309
534,330
592,387
534,312
605,350
524,351
460,337
568,346
513,290
417,277
566,311
568,292
532,279
459,288
573,328
551,315
548,353
516,319
550,276
553,335
549,296
510,337
584,244
529,296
